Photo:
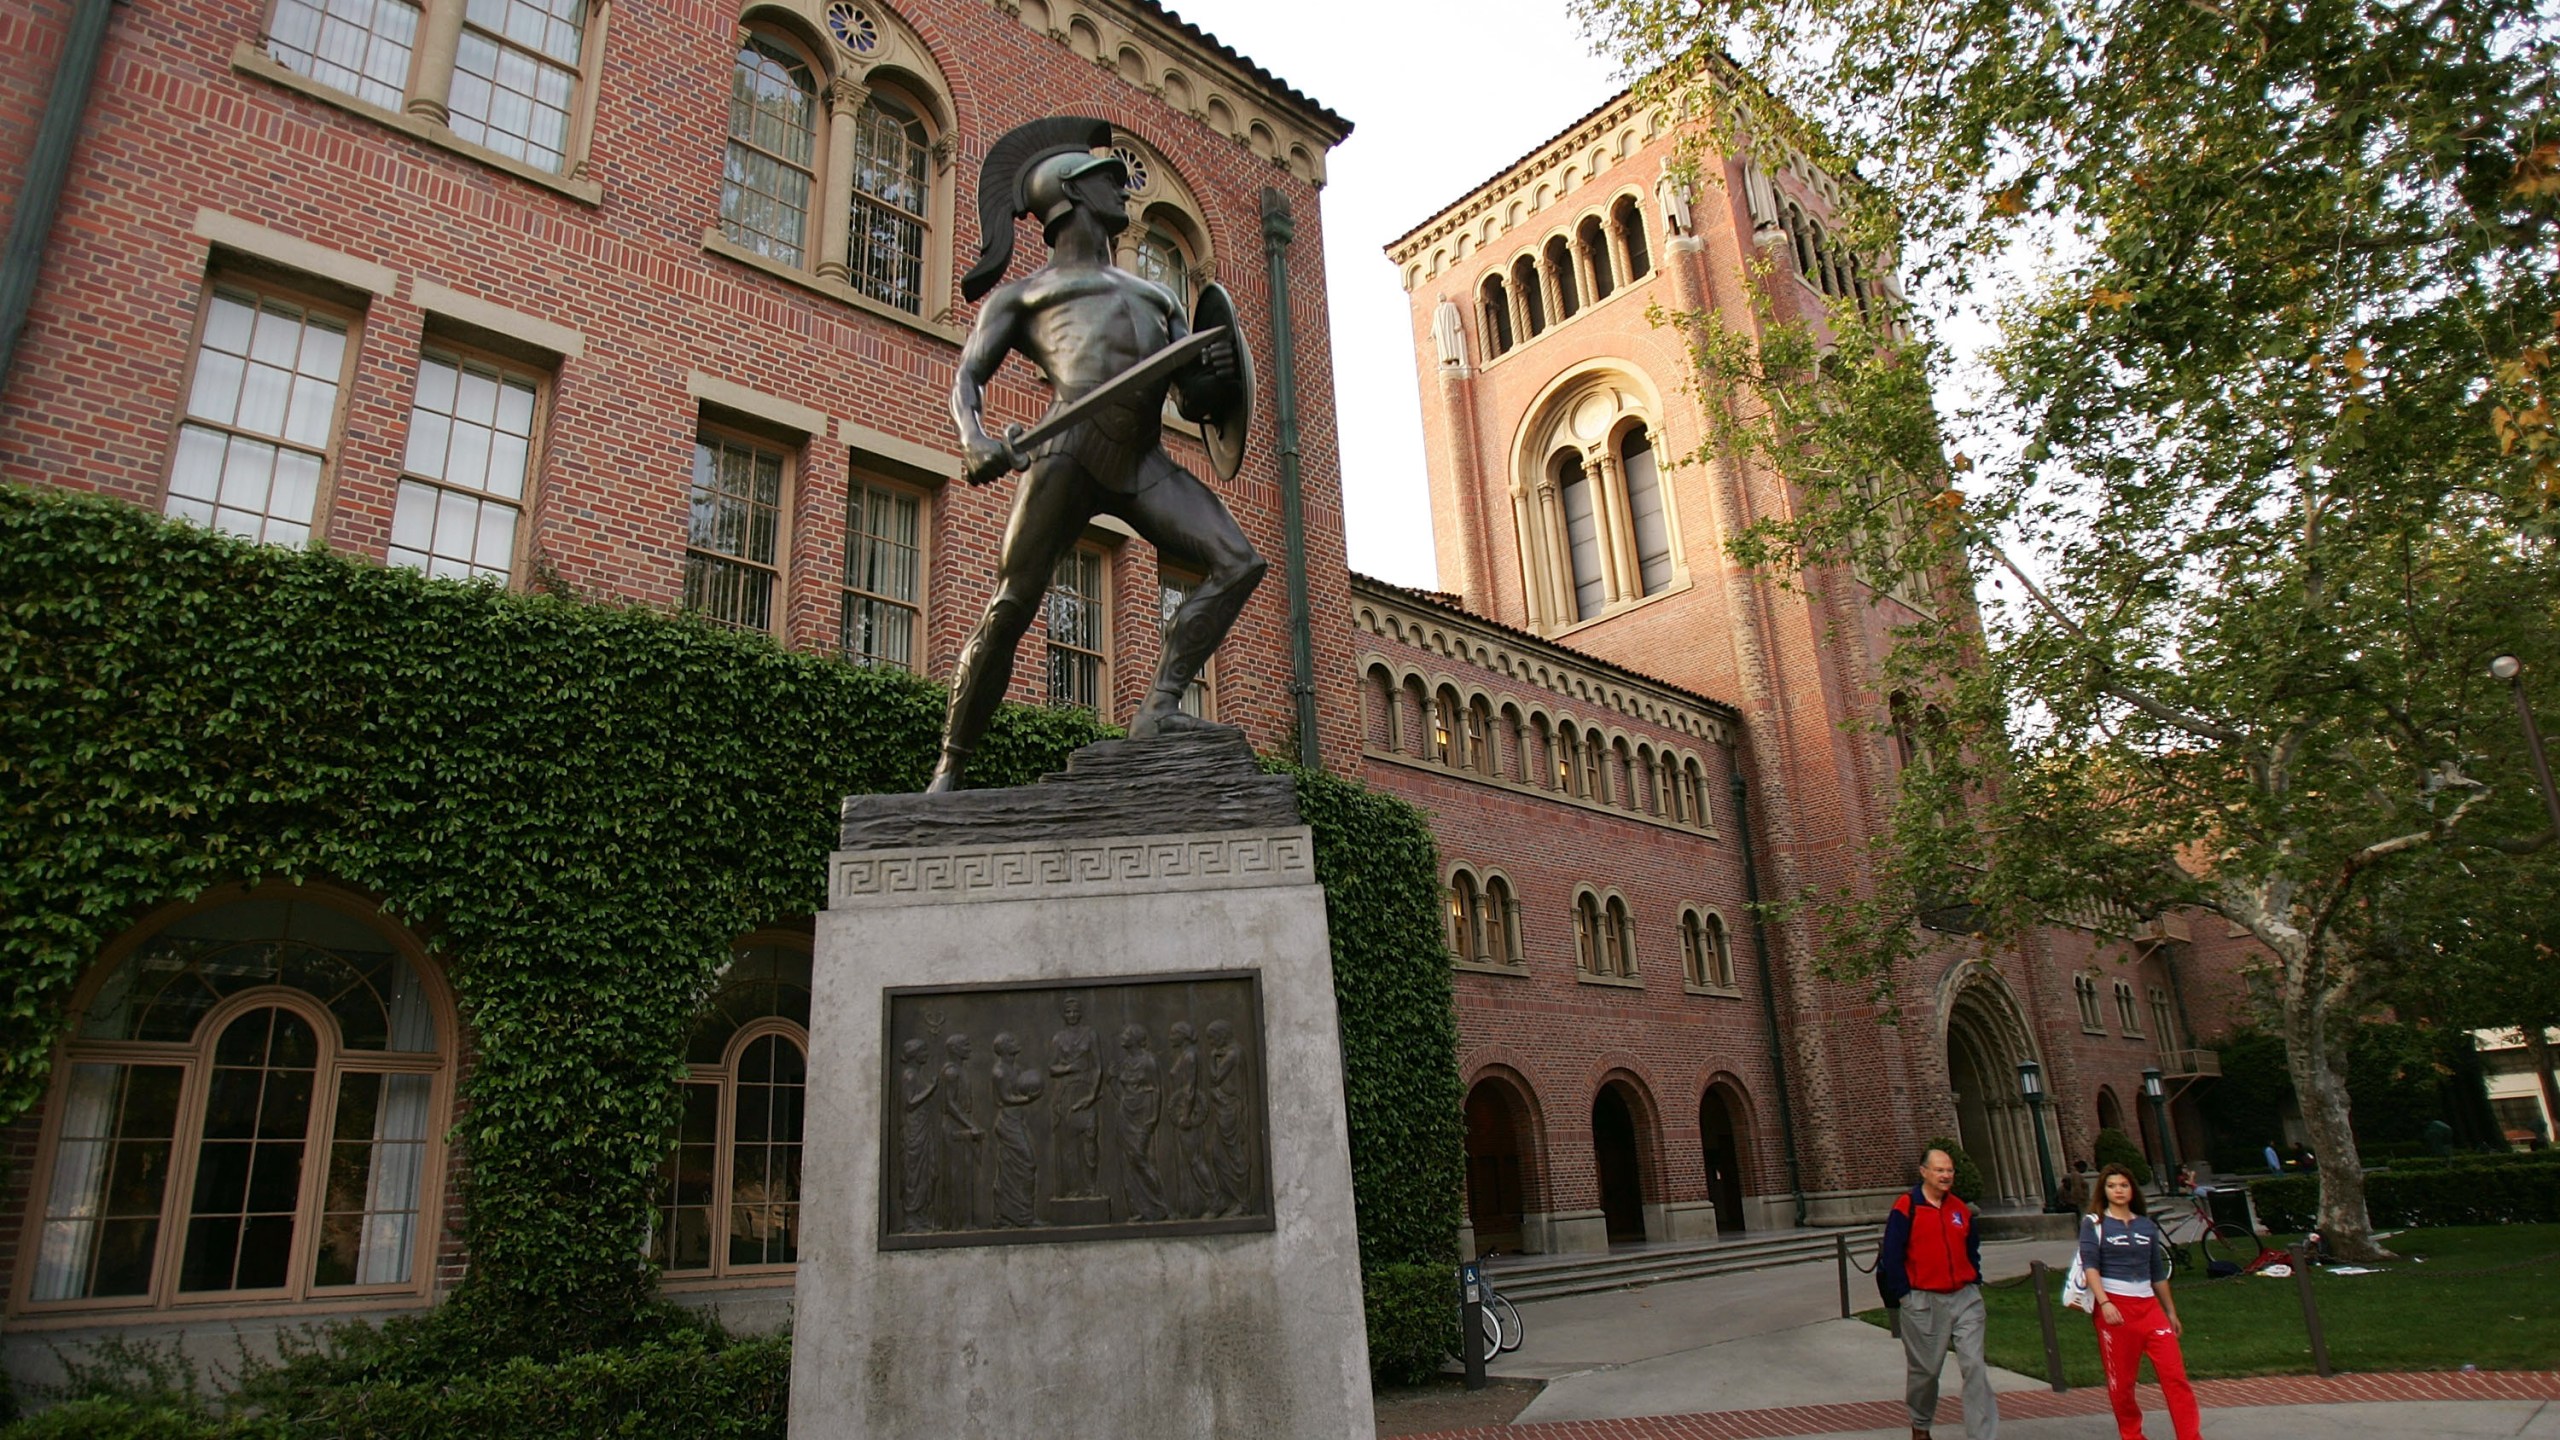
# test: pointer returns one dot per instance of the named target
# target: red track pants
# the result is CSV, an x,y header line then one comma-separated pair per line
x,y
2145,1331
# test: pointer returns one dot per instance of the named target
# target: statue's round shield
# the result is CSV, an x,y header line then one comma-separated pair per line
x,y
1223,430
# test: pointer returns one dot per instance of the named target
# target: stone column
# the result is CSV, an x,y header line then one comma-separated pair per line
x,y
439,39
845,97
1457,400
1609,517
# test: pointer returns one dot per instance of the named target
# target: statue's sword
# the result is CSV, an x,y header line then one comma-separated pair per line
x,y
1167,361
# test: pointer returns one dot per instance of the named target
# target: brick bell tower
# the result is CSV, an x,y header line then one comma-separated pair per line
x,y
1572,495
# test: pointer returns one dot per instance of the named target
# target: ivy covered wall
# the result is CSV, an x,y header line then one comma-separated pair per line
x,y
580,806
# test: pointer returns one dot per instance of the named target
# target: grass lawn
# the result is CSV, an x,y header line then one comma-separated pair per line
x,y
2429,1310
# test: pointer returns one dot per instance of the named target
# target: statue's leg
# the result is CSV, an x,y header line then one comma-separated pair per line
x,y
1189,525
1051,512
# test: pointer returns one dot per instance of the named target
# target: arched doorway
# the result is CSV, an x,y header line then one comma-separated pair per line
x,y
1618,1159
1986,1039
2110,1114
1495,1125
1719,1141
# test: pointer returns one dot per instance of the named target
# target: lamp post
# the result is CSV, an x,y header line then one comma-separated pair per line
x,y
2031,1085
2511,670
2151,1090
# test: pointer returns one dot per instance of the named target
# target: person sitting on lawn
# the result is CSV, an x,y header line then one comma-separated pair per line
x,y
2126,1260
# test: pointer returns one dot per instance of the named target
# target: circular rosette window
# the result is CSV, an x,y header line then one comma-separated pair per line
x,y
853,28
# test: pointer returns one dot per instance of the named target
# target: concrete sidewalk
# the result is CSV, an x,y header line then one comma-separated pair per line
x,y
1765,1354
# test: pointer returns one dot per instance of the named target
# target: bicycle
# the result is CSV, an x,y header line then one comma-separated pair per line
x,y
1500,1319
2188,1220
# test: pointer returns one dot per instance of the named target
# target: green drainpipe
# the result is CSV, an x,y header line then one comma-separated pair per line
x,y
48,165
1768,987
1279,227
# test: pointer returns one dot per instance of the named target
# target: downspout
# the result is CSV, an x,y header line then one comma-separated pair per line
x,y
48,166
1279,227
1768,987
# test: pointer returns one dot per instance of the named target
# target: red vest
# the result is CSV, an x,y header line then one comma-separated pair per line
x,y
1936,1258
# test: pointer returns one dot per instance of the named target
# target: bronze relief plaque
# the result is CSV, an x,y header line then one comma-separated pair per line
x,y
1073,1110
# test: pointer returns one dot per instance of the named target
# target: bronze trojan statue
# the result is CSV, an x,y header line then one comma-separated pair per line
x,y
1113,344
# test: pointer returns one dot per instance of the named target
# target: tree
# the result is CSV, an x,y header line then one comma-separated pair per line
x,y
2256,493
2475,943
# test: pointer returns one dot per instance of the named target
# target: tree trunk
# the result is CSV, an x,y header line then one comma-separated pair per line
x,y
2537,1047
2320,1084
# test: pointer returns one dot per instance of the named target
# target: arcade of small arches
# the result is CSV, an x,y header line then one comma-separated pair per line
x,y
1539,670
1540,1181
251,1105
1527,190
1549,284
1833,269
1498,739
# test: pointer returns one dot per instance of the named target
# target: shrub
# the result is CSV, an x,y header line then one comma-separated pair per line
x,y
142,1420
1413,1320
2115,1148
2465,1195
2463,1161
1969,1184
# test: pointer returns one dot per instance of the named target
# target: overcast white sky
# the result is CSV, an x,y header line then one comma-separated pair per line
x,y
1440,94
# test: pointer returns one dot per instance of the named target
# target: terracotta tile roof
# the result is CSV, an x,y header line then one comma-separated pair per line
x,y
1304,101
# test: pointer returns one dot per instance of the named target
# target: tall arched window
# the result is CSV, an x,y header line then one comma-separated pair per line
x,y
1481,751
1719,947
1588,956
1802,239
1592,239
1617,939
892,203
1448,730
1693,949
1560,274
1595,767
1700,814
249,1107
1645,510
1630,227
1494,299
1162,258
1582,535
772,162
729,1194
1527,295
1501,931
1466,916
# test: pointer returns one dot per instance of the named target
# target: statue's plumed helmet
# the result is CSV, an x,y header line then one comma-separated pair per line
x,y
1027,172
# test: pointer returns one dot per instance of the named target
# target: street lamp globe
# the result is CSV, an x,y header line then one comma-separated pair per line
x,y
2506,667
2151,1082
2031,1079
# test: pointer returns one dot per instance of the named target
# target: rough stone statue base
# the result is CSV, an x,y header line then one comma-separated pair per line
x,y
1077,1164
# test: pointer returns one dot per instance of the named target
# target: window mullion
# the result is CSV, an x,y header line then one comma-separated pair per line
x,y
431,75
319,1148
582,108
845,98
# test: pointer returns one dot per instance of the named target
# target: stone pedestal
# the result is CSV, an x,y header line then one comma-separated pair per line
x,y
1077,1165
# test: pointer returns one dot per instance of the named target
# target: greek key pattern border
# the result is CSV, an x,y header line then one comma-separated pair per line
x,y
1234,861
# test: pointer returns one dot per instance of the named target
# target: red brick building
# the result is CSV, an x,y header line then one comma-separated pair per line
x,y
1556,419
661,305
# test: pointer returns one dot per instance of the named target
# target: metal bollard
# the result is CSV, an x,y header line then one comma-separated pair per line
x,y
1843,1242
1471,1322
2037,1274
2299,1257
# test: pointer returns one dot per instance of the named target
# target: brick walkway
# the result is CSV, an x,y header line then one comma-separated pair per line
x,y
2036,1405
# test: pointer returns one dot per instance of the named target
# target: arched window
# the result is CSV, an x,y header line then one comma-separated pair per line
x,y
1693,949
1587,953
1582,535
1162,258
1466,916
1592,239
892,203
1699,813
1802,239
1560,765
1526,294
1495,300
1560,273
1378,708
729,1195
772,163
1630,224
1719,948
1595,767
1618,939
1645,510
1501,923
1448,733
2085,989
1481,751
250,1105
1907,744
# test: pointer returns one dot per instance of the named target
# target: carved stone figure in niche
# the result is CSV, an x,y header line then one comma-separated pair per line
x,y
960,1137
1075,1063
1230,1165
1017,1160
1141,1108
919,1136
1188,1107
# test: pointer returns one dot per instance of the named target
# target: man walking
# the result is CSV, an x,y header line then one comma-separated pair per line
x,y
1930,1269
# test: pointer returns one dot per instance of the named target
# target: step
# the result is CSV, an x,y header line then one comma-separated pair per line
x,y
1545,1277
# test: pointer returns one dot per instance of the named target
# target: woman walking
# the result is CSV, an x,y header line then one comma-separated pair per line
x,y
2126,1260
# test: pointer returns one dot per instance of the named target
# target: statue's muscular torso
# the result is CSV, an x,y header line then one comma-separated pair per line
x,y
1082,327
